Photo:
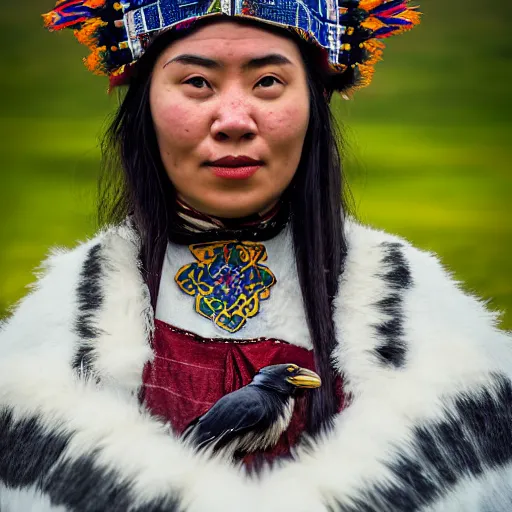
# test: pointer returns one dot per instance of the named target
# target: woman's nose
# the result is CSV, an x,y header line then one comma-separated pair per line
x,y
234,121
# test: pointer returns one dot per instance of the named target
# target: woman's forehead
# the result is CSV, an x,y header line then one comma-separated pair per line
x,y
231,40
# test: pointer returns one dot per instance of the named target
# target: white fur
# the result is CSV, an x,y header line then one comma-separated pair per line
x,y
490,492
452,346
125,318
25,500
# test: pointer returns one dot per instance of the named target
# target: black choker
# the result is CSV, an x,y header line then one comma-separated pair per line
x,y
191,227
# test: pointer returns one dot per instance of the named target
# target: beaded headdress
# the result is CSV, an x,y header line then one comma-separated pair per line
x,y
118,32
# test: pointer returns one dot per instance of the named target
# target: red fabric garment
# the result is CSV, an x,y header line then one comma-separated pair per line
x,y
189,374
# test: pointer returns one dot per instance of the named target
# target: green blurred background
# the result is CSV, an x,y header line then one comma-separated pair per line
x,y
428,153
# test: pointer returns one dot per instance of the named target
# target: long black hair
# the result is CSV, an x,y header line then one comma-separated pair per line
x,y
134,182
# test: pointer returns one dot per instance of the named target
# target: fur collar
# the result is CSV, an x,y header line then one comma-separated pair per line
x,y
429,426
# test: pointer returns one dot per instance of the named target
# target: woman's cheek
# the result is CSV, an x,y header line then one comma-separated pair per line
x,y
180,123
286,125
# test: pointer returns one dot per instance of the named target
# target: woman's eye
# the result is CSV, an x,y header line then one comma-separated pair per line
x,y
197,82
268,81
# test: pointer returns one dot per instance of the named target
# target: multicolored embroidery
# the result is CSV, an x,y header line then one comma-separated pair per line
x,y
119,32
228,281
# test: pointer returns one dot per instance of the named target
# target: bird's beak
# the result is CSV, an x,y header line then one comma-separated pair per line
x,y
305,379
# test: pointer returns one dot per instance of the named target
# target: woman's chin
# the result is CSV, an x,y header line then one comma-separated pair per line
x,y
231,204
235,212
235,208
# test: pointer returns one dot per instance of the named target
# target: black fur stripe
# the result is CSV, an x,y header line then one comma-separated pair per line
x,y
82,486
475,436
393,350
26,451
31,455
90,300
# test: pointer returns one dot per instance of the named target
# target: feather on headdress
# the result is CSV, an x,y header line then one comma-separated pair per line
x,y
350,31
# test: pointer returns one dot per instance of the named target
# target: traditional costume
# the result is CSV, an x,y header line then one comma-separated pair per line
x,y
426,420
96,385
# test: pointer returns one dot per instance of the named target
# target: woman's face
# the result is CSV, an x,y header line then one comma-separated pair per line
x,y
230,105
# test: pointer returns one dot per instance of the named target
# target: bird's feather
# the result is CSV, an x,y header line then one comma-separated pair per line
x,y
248,410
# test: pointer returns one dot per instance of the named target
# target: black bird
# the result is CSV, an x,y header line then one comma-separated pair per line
x,y
253,417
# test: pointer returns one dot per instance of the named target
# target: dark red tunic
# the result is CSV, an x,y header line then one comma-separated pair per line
x,y
189,374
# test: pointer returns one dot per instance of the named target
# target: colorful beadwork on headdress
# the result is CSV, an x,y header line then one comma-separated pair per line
x,y
118,32
228,281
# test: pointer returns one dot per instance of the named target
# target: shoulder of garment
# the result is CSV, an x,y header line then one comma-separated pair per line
x,y
427,372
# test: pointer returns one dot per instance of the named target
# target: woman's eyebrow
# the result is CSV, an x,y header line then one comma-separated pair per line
x,y
258,62
267,60
195,60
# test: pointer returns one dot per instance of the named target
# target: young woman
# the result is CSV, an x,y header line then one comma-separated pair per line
x,y
230,250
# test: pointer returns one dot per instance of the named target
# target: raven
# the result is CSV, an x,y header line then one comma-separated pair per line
x,y
253,417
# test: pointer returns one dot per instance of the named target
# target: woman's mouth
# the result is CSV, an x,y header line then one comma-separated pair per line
x,y
235,167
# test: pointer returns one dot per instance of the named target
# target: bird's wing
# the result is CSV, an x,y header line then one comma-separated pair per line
x,y
247,409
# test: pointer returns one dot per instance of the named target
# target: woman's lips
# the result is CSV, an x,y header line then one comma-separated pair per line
x,y
235,173
235,167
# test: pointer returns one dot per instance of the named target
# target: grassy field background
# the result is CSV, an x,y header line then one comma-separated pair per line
x,y
428,144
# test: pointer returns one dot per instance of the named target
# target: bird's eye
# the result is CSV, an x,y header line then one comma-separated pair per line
x,y
291,368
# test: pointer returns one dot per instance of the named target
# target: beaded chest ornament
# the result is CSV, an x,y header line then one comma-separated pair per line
x,y
228,281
